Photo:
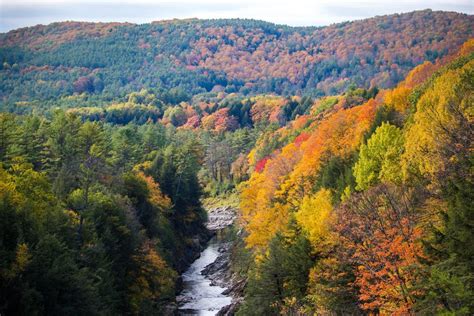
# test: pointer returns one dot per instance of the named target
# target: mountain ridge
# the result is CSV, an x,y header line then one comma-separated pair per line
x,y
196,19
232,55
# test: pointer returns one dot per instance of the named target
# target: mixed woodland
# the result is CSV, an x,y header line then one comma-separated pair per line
x,y
349,147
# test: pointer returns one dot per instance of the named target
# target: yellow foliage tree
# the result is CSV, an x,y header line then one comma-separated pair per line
x,y
443,111
398,98
153,280
270,195
315,216
156,197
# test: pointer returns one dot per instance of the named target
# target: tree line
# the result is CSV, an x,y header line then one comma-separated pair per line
x,y
95,219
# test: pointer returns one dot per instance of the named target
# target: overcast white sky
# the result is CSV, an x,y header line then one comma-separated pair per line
x,y
20,13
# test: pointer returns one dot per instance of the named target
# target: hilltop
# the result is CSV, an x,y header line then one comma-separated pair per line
x,y
182,58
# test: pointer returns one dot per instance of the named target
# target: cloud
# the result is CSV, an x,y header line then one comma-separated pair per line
x,y
360,9
18,15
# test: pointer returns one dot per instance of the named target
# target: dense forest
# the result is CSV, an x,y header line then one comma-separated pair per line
x,y
94,214
367,208
349,148
73,64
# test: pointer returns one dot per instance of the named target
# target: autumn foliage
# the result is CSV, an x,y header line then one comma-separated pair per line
x,y
349,147
182,58
381,190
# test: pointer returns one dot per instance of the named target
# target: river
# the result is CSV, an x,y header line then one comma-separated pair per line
x,y
200,295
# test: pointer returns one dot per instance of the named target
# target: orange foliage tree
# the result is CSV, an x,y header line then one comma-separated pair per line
x,y
270,194
338,135
378,230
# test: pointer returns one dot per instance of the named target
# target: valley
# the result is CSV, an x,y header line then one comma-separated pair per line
x,y
238,167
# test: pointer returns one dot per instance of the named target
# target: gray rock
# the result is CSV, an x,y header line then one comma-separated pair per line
x,y
220,217
219,272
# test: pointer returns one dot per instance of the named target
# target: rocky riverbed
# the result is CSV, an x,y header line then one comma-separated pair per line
x,y
220,217
220,274
209,288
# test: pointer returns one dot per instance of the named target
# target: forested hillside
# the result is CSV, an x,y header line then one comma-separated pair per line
x,y
181,58
367,208
348,148
95,220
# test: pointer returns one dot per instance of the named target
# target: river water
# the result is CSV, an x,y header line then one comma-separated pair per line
x,y
199,297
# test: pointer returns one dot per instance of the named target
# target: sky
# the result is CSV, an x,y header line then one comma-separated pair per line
x,y
20,13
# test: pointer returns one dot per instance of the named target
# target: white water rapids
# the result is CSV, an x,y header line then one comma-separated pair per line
x,y
198,296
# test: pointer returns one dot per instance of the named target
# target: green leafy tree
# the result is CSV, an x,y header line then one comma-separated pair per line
x,y
8,135
280,278
379,159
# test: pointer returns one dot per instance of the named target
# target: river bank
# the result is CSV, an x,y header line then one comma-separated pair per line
x,y
208,286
